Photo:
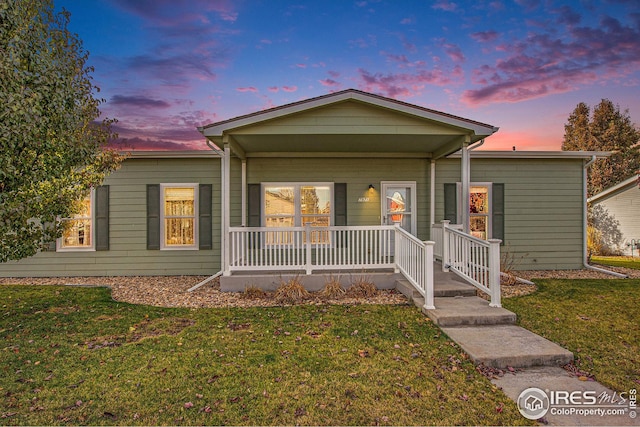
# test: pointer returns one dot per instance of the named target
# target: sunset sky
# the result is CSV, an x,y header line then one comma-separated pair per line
x,y
167,66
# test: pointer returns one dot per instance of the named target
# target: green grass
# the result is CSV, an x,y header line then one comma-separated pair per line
x,y
617,261
74,356
595,319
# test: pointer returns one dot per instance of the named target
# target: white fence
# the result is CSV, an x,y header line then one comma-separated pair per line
x,y
476,260
333,248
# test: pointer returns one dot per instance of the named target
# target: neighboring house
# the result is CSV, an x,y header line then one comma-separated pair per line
x,y
616,214
337,171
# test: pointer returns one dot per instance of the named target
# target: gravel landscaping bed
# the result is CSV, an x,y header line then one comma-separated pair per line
x,y
171,291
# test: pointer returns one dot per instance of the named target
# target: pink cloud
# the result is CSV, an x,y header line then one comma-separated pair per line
x,y
247,89
407,84
542,65
445,5
289,88
329,83
485,36
273,89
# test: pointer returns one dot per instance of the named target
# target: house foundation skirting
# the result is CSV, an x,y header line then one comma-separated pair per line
x,y
238,282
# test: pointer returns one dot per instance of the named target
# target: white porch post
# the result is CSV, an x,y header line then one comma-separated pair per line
x,y
494,271
226,210
466,184
244,192
432,196
429,293
445,245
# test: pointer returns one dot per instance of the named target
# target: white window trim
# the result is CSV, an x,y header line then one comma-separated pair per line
x,y
489,186
297,215
59,241
163,237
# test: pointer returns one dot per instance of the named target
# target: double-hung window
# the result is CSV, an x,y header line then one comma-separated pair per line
x,y
179,207
299,204
78,231
480,209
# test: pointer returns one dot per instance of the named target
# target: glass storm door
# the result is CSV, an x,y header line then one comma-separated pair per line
x,y
398,200
398,205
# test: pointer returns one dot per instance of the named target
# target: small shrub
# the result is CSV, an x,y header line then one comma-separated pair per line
x,y
291,292
362,287
594,242
254,292
333,289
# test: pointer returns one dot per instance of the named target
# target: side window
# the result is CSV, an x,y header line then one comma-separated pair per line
x,y
179,213
79,230
480,211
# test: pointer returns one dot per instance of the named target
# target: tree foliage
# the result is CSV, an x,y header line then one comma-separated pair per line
x,y
607,129
53,149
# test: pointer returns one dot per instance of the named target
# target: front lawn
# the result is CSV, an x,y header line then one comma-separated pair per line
x,y
617,261
74,356
595,319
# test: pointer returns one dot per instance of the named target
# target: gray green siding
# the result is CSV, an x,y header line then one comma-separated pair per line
x,y
621,213
127,254
357,173
543,207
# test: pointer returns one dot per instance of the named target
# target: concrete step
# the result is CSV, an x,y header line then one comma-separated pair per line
x,y
454,289
501,346
468,311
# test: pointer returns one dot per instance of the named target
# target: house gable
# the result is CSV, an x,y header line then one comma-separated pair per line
x,y
348,121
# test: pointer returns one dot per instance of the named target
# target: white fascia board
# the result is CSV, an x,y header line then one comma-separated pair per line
x,y
489,154
626,183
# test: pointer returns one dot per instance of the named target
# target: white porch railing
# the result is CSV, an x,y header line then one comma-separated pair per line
x,y
414,259
333,248
437,235
476,260
310,248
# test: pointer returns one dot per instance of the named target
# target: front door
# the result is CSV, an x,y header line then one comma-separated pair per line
x,y
398,207
399,204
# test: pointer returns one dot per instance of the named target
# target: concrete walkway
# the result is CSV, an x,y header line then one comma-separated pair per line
x,y
491,337
488,335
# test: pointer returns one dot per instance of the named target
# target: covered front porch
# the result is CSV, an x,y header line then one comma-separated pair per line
x,y
381,254
343,182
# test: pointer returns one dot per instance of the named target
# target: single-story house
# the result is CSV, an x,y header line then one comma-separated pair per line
x,y
616,214
340,172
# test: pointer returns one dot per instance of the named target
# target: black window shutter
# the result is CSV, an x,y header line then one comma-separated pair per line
x,y
340,203
102,218
205,228
254,208
254,205
451,202
153,216
498,212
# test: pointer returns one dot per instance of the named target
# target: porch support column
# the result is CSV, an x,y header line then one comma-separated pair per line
x,y
226,210
244,192
466,185
432,196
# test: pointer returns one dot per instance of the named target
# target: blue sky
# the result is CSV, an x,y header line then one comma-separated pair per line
x,y
165,67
